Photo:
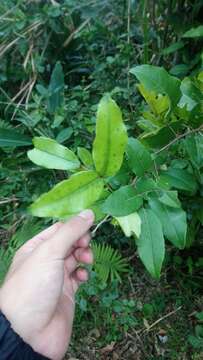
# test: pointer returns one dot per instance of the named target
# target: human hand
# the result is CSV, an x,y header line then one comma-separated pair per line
x,y
37,296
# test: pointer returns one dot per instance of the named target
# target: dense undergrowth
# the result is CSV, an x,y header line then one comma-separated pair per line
x,y
96,44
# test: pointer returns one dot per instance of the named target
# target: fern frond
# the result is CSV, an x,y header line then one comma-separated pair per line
x,y
108,263
5,125
5,260
29,229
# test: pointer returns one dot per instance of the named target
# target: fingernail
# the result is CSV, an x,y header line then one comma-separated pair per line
x,y
87,214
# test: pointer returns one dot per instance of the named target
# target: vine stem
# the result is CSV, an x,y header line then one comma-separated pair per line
x,y
98,225
179,137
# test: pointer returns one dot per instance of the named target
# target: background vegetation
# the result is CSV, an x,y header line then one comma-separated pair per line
x,y
122,312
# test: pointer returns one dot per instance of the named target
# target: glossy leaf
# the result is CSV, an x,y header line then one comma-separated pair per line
x,y
56,89
85,156
173,221
130,224
150,245
70,196
139,159
191,95
51,155
12,138
180,179
122,202
194,147
170,198
157,79
111,138
144,187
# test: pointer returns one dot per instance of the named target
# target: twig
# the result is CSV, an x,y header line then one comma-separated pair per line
x,y
159,320
98,225
179,137
6,201
5,48
72,35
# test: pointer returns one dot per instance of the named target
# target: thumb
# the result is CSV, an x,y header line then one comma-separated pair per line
x,y
68,234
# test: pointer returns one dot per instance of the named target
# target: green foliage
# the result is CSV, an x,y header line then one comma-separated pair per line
x,y
173,222
11,138
196,340
58,58
194,32
139,159
70,196
108,263
122,202
159,81
51,155
26,232
150,244
64,48
110,140
56,89
161,213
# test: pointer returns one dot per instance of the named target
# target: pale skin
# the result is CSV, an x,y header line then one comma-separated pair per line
x,y
38,294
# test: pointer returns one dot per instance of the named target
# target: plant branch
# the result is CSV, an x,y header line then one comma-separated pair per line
x,y
98,225
179,137
159,320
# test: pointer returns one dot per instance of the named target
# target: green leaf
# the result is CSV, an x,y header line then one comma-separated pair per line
x,y
130,224
85,156
170,198
173,222
11,138
108,263
194,147
158,103
70,196
156,79
139,159
191,95
180,179
162,137
145,187
121,178
194,32
173,48
151,247
64,135
179,70
56,89
122,202
51,155
111,138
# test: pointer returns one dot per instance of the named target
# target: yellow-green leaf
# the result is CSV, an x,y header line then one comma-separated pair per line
x,y
159,104
85,156
111,138
70,196
130,224
51,155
